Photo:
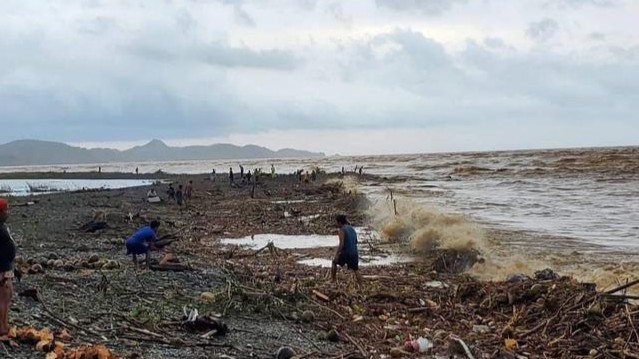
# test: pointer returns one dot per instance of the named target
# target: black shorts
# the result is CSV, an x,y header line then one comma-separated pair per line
x,y
350,260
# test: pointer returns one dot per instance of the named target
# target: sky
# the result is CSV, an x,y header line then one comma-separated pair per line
x,y
342,77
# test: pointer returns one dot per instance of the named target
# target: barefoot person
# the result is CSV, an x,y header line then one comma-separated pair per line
x,y
143,241
346,253
7,255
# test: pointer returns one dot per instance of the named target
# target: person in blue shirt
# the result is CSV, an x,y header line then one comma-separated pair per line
x,y
346,253
142,241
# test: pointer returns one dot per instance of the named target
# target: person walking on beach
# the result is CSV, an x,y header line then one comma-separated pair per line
x,y
142,241
179,196
273,171
137,171
188,191
7,256
231,181
241,171
346,253
171,192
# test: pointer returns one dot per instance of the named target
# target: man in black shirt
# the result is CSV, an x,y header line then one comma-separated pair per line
x,y
7,256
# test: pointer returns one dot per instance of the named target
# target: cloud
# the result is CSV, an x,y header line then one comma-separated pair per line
x,y
242,17
123,70
427,7
542,30
223,55
575,4
337,11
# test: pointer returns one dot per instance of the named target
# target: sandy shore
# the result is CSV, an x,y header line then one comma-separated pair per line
x,y
89,286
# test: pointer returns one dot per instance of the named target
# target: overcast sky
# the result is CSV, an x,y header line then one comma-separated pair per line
x,y
348,77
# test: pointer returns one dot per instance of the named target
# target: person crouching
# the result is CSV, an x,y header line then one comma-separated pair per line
x,y
142,241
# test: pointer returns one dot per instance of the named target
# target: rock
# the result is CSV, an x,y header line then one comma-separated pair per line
x,y
308,316
32,261
207,296
517,277
481,329
58,263
36,268
68,267
285,353
94,258
19,260
546,274
332,336
53,256
50,263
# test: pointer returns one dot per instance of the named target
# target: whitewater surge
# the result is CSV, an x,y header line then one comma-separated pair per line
x,y
425,228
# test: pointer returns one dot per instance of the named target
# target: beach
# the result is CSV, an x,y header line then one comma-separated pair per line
x,y
268,296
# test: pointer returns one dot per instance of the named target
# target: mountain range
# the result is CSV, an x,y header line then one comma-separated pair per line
x,y
35,152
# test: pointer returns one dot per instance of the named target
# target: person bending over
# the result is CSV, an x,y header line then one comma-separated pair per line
x,y
142,242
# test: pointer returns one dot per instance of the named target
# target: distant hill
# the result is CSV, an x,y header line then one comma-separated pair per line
x,y
34,152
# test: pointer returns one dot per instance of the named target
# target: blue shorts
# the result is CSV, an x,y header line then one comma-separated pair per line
x,y
136,248
350,260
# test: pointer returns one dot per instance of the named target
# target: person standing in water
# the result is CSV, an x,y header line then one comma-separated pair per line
x,y
346,253
7,257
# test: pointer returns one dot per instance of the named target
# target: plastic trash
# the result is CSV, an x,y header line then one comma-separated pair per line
x,y
420,345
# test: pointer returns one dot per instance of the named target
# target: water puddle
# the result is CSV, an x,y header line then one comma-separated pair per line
x,y
365,260
44,186
293,201
284,241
